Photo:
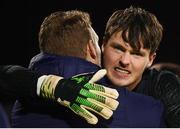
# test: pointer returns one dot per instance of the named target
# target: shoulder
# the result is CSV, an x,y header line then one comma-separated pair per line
x,y
163,75
154,81
166,80
173,67
163,85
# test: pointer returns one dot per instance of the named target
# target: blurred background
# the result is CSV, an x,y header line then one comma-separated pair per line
x,y
21,20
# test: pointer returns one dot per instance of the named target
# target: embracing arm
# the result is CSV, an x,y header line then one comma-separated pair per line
x,y
17,81
78,93
167,88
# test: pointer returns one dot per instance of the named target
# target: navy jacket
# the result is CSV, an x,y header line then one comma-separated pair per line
x,y
134,110
4,120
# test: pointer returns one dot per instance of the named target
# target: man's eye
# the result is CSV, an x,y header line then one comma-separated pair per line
x,y
118,48
136,53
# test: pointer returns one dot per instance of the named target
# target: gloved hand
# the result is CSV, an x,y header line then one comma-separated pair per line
x,y
80,94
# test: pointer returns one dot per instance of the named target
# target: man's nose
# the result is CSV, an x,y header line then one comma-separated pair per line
x,y
125,59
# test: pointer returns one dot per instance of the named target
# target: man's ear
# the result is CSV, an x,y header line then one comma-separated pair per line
x,y
151,59
91,51
102,47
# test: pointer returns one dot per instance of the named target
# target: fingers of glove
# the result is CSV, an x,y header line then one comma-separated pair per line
x,y
63,102
105,112
88,116
95,106
110,92
98,75
108,102
106,91
100,98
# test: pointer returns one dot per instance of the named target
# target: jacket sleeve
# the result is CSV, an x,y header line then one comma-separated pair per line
x,y
17,81
167,88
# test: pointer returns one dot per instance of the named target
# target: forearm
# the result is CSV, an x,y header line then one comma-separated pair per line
x,y
17,81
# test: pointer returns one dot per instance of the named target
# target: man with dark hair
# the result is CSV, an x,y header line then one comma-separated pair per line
x,y
130,42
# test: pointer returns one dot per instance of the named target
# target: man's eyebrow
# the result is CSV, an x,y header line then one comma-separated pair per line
x,y
117,45
138,52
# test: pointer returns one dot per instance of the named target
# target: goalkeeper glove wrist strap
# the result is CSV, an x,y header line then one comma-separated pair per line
x,y
66,86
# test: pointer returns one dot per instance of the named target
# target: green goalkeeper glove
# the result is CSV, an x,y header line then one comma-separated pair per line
x,y
80,94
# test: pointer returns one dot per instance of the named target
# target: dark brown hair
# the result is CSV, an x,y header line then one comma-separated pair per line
x,y
141,25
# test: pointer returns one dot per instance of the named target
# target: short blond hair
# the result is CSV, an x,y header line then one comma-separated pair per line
x,y
65,33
